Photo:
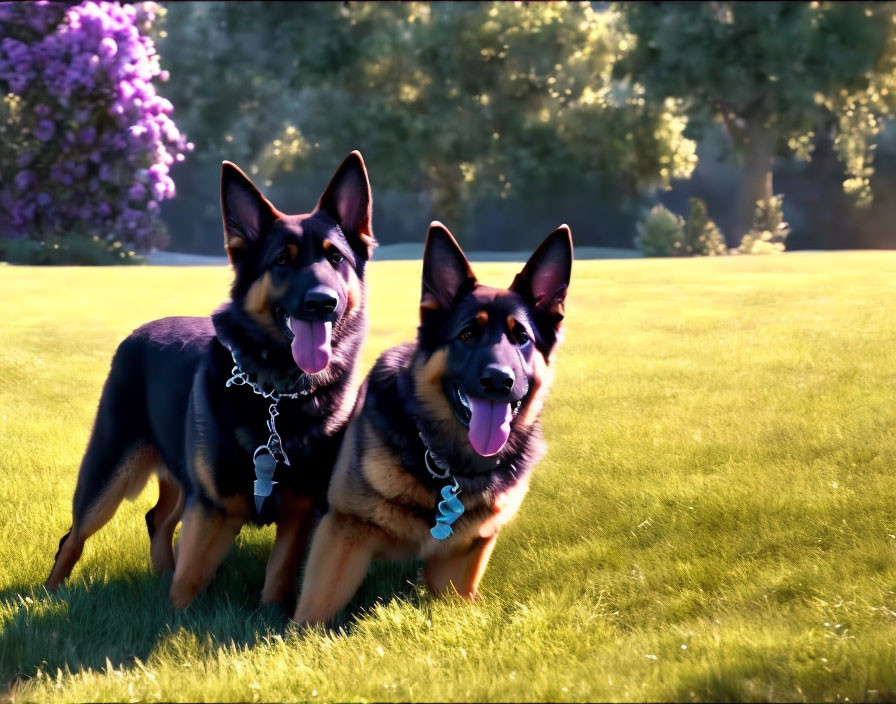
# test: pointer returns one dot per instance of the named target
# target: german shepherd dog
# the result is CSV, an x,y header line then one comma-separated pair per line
x,y
437,458
179,398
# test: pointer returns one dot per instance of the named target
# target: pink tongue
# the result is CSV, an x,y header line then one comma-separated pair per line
x,y
489,426
311,345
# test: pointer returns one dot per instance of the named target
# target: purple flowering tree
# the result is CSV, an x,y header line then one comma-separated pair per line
x,y
85,141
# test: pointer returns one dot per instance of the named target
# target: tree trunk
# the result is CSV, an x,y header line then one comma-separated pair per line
x,y
758,154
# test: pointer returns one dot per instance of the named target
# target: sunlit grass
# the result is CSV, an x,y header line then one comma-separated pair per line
x,y
716,517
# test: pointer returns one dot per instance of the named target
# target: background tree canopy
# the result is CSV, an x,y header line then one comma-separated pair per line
x,y
504,119
775,74
502,115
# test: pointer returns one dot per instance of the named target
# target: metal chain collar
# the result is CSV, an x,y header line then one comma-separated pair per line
x,y
265,457
430,458
240,378
449,508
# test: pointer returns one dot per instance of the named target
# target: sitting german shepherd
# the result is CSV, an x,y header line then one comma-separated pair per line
x,y
438,457
254,399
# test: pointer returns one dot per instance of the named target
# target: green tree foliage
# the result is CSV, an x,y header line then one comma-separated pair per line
x,y
661,233
455,102
775,73
701,235
769,231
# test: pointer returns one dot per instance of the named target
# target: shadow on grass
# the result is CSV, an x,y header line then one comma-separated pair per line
x,y
124,617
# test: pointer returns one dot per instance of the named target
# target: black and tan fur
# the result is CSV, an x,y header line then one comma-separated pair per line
x,y
165,407
382,500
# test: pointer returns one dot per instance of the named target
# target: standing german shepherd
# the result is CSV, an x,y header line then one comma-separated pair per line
x,y
438,457
179,399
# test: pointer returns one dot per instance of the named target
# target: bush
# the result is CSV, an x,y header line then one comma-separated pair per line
x,y
85,141
701,235
769,231
73,249
661,233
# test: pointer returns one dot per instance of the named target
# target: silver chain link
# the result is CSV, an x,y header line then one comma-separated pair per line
x,y
240,378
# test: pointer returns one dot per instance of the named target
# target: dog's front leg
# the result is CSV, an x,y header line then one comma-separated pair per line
x,y
341,552
205,537
461,570
293,528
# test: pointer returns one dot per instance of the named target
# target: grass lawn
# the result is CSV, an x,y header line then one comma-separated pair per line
x,y
715,519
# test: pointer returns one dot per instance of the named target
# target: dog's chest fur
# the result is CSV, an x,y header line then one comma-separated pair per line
x,y
226,425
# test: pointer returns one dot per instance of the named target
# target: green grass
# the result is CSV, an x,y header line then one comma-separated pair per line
x,y
715,519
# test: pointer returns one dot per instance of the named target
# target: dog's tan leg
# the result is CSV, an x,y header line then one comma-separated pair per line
x,y
341,552
70,548
462,571
127,479
205,538
161,521
290,544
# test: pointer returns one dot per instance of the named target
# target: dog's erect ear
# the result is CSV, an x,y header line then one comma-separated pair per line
x,y
544,280
348,201
445,269
247,214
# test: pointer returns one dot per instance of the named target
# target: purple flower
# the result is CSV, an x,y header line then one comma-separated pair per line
x,y
74,66
108,48
137,192
24,179
44,130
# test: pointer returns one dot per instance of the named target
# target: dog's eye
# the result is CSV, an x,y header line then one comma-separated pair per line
x,y
468,334
522,337
282,259
335,257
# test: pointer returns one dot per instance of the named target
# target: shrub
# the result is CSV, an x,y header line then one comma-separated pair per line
x,y
701,235
85,141
73,249
769,231
661,233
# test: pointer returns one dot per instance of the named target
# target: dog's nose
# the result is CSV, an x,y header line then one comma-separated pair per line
x,y
497,380
320,300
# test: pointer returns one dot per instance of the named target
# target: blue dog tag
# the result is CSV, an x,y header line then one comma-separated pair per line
x,y
450,509
440,531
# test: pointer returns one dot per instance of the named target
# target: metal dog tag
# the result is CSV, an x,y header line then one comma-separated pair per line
x,y
265,466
